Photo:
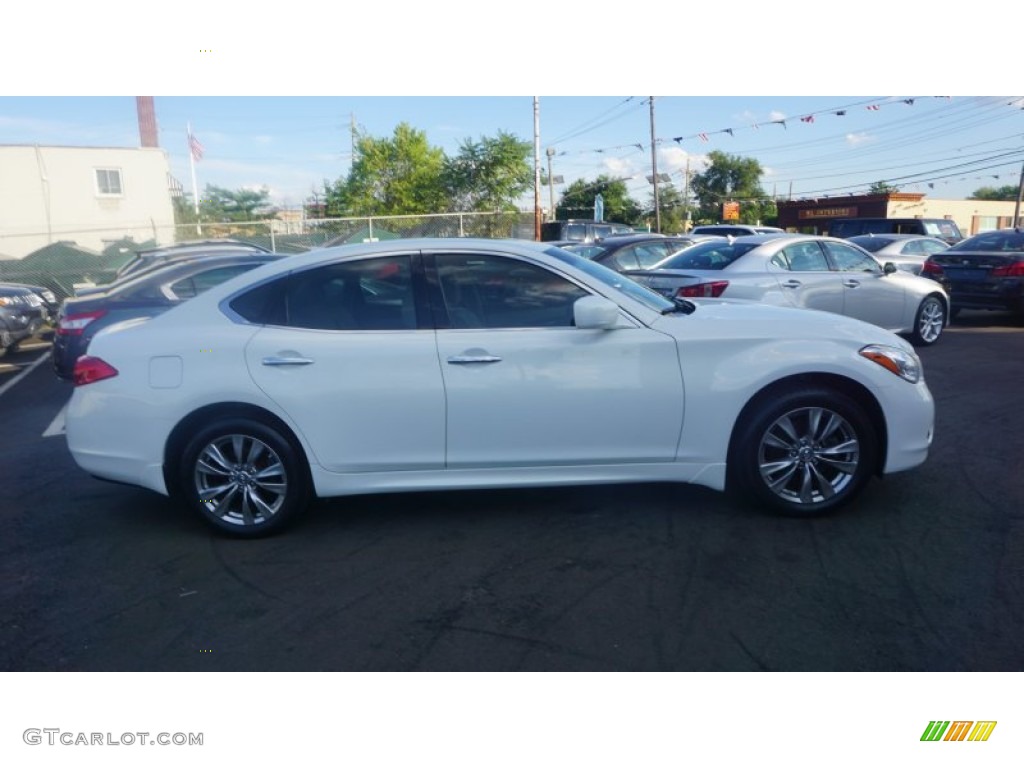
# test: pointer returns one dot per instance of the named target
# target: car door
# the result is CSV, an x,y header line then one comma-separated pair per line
x,y
527,388
805,277
350,357
868,293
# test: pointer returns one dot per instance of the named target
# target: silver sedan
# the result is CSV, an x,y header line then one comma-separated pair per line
x,y
907,252
809,271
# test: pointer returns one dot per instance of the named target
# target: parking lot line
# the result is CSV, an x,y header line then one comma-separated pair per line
x,y
23,374
57,425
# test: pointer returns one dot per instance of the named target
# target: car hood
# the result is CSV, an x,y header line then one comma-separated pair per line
x,y
739,319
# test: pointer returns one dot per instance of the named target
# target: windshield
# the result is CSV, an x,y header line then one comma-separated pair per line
x,y
586,250
717,254
609,277
992,241
872,244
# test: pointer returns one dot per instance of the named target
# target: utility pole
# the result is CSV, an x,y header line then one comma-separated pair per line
x,y
551,186
654,172
352,131
1020,194
536,169
686,193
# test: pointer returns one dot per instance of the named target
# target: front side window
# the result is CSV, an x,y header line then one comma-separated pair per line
x,y
849,259
486,291
192,286
108,181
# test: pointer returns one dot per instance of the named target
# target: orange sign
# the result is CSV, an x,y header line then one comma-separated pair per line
x,y
731,211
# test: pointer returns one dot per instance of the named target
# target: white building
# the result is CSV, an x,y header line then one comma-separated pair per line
x,y
90,195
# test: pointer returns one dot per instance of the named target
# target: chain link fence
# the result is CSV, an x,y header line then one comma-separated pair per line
x,y
64,263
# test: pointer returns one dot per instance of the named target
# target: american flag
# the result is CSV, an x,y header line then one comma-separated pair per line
x,y
807,119
702,136
873,107
195,147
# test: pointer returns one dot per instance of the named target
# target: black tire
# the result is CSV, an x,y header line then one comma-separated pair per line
x,y
244,477
803,453
929,321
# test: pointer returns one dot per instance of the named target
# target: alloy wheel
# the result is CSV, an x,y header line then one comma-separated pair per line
x,y
241,480
809,455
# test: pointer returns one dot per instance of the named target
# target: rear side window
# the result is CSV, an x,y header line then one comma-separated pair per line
x,y
365,295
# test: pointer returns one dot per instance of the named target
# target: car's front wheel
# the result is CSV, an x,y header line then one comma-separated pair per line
x,y
929,321
244,477
805,452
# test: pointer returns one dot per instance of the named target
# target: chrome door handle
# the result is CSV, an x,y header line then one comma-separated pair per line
x,y
792,284
286,361
464,359
851,283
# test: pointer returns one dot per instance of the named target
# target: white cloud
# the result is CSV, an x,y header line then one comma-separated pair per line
x,y
855,139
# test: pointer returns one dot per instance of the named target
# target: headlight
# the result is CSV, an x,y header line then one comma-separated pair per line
x,y
904,364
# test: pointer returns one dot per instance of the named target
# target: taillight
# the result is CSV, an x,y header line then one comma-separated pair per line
x,y
931,268
73,325
89,370
1012,270
714,289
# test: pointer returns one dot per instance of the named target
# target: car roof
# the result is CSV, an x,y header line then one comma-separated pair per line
x,y
176,268
190,245
893,236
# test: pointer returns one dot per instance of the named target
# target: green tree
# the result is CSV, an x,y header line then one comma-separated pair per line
x,y
400,175
882,188
730,178
488,175
1009,192
220,204
184,210
577,201
673,210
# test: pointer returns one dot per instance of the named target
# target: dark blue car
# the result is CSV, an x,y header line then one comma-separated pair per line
x,y
985,271
147,295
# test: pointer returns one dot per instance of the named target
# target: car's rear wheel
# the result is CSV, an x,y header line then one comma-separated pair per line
x,y
244,477
805,452
929,321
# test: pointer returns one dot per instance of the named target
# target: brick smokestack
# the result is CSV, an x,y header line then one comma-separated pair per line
x,y
147,121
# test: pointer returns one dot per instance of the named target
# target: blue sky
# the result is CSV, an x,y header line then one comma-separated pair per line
x,y
804,144
272,97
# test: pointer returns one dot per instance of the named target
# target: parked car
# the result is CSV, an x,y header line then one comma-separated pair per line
x,y
985,271
160,258
22,314
486,363
733,230
148,294
581,230
49,301
622,252
150,256
907,252
807,271
944,229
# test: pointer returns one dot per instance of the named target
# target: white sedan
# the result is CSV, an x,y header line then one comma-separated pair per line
x,y
439,364
808,271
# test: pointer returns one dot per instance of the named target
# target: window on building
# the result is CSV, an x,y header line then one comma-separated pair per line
x,y
108,181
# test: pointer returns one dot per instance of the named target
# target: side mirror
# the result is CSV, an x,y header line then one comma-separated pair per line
x,y
595,312
889,268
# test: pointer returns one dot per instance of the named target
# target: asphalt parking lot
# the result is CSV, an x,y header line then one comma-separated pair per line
x,y
924,572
